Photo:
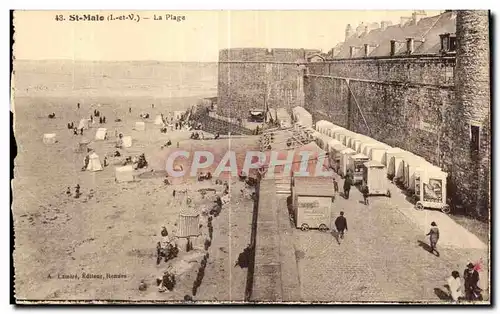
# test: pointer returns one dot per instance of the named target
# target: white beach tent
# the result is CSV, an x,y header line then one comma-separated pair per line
x,y
158,120
49,138
100,135
94,163
140,126
127,141
84,124
124,174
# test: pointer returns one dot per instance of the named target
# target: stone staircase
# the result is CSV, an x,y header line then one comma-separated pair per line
x,y
283,185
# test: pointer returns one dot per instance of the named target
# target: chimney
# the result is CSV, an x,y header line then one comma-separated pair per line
x,y
410,44
367,50
417,16
360,29
404,21
335,51
385,24
348,31
393,47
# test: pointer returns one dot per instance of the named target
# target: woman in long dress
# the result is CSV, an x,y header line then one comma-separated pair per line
x,y
433,237
455,285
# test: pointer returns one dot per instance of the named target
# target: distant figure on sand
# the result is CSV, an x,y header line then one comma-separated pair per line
x,y
81,131
129,109
152,105
78,105
86,163
75,131
104,119
77,191
433,237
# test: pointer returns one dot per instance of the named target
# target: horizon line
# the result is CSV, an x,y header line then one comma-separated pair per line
x,y
93,60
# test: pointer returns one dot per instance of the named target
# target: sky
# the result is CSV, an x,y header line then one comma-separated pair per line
x,y
197,37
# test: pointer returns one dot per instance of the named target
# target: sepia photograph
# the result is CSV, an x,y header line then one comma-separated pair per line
x,y
251,157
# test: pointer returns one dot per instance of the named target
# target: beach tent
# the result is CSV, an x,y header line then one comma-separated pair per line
x,y
84,124
100,135
140,126
124,174
49,138
94,163
302,116
158,120
283,117
127,141
83,145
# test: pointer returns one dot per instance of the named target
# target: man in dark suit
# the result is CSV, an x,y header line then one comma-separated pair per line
x,y
341,224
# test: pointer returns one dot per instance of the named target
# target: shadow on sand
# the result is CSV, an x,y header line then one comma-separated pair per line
x,y
442,294
427,247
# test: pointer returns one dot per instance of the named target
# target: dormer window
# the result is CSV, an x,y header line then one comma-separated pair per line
x,y
448,42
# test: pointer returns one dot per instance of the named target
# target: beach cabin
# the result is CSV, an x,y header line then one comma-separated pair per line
x,y
394,163
375,177
140,126
330,131
49,138
283,118
322,141
100,135
322,126
345,154
430,189
302,116
412,165
127,141
124,174
334,148
94,163
312,203
356,165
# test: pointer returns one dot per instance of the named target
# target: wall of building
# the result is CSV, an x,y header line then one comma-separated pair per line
x,y
405,102
472,107
250,77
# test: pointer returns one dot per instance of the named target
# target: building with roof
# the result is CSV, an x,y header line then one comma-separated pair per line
x,y
410,85
421,84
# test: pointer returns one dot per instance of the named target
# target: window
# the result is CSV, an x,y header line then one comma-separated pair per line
x,y
474,138
453,43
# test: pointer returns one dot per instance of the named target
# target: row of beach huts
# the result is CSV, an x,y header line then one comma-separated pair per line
x,y
361,155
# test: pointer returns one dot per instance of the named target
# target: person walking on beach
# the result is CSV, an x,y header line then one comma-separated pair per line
x,y
335,186
129,109
347,186
78,105
341,225
433,237
364,190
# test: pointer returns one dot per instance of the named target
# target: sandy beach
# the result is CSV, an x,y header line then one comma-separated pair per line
x,y
114,232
